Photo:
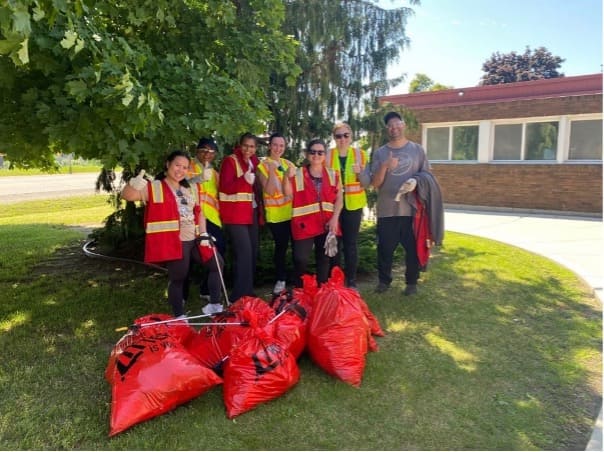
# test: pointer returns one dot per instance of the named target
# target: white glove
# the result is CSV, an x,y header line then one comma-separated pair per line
x,y
207,173
407,187
249,177
331,245
139,182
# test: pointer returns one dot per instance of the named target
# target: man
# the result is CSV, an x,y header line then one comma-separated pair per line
x,y
393,167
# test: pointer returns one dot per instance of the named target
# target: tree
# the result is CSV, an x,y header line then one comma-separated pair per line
x,y
345,49
513,67
421,83
127,81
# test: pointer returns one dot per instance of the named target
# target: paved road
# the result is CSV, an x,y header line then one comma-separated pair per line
x,y
20,188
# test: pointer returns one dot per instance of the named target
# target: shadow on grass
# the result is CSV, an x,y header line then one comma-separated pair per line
x,y
500,349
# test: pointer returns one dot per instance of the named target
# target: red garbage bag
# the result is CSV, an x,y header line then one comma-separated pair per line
x,y
148,325
151,376
305,295
338,333
212,344
289,327
258,370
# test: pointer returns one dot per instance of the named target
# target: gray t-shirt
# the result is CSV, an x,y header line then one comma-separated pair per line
x,y
411,160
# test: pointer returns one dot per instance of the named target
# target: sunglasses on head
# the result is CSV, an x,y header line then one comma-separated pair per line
x,y
316,152
341,135
181,195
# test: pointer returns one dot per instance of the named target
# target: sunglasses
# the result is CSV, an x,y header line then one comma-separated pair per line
x,y
207,150
341,135
181,195
316,152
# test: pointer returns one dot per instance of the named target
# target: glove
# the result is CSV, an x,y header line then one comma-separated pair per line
x,y
139,182
207,173
206,239
331,245
407,187
249,177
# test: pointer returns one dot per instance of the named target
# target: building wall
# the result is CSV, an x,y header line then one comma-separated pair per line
x,y
568,187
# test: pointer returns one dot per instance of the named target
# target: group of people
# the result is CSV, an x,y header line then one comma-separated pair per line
x,y
191,210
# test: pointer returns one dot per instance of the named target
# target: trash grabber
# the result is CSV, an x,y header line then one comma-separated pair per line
x,y
225,303
159,322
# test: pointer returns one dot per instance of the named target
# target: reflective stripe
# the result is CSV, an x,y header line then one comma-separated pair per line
x,y
353,188
276,201
210,200
237,197
162,226
299,179
327,206
307,210
157,192
238,169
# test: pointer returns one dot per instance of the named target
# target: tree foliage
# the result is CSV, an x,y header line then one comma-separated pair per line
x,y
126,81
345,49
515,67
421,82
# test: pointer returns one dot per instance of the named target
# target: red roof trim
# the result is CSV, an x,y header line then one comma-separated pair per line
x,y
536,89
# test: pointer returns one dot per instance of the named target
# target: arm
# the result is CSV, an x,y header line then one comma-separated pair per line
x,y
364,174
383,167
136,188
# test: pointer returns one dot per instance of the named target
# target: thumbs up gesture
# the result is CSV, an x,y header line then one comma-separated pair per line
x,y
139,182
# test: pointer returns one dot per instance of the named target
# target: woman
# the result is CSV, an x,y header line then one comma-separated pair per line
x,y
239,212
174,223
272,172
350,162
317,202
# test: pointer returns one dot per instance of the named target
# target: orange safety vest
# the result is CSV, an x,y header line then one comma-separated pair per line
x,y
311,212
354,193
236,208
162,222
277,207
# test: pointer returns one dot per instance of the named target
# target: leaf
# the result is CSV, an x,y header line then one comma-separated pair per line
x,y
23,52
21,22
69,40
77,89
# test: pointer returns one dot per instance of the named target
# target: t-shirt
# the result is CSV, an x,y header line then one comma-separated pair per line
x,y
411,160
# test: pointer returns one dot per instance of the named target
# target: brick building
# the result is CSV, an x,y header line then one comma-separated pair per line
x,y
533,145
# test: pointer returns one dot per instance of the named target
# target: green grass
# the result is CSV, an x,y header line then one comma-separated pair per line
x,y
61,170
500,350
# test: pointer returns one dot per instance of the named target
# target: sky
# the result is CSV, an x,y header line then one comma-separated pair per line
x,y
451,39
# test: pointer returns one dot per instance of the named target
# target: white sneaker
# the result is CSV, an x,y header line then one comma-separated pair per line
x,y
182,318
279,287
212,308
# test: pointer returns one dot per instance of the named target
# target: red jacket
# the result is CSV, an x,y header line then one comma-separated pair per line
x,y
311,212
162,222
234,193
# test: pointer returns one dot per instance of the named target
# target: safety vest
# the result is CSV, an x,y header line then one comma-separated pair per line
x,y
311,212
162,222
209,194
195,169
236,208
354,193
277,207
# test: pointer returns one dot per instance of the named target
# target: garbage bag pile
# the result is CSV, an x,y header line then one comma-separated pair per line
x,y
251,349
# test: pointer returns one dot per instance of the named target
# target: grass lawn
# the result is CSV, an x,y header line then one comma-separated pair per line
x,y
500,350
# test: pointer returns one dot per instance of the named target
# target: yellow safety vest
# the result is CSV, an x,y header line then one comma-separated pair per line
x,y
277,207
354,193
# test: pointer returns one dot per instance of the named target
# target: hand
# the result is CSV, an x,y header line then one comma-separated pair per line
x,y
249,177
291,171
139,182
407,187
207,173
356,168
392,162
206,239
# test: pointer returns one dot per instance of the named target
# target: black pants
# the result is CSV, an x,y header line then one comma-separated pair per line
x,y
390,232
302,250
178,272
244,242
281,236
350,223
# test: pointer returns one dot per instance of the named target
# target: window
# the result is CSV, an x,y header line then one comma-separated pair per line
x,y
538,140
585,140
452,143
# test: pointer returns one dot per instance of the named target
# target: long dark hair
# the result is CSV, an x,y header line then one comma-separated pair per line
x,y
169,159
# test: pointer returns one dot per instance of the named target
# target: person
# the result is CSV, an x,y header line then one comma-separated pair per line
x,y
350,162
239,211
174,224
272,172
393,166
202,171
317,202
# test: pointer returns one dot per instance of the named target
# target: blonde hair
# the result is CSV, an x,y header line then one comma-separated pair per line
x,y
341,125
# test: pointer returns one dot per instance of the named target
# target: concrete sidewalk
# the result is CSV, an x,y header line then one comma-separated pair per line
x,y
575,242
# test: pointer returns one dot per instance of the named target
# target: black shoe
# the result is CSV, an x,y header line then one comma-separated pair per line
x,y
382,287
411,289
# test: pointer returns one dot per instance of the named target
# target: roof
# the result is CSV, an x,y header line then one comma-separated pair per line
x,y
507,92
